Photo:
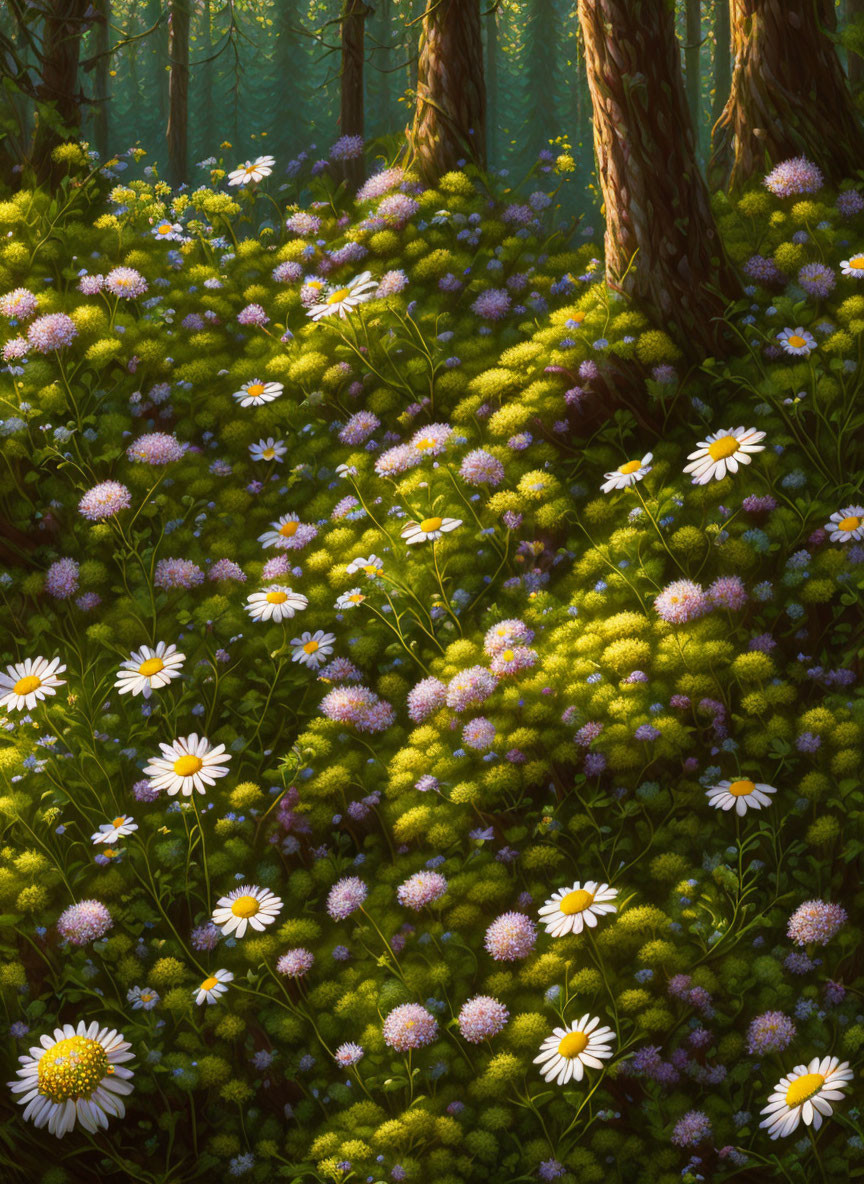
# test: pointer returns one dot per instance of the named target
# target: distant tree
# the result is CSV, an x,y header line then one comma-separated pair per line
x,y
450,116
693,63
351,112
541,35
855,62
721,157
65,22
178,91
662,245
101,46
789,96
154,52
490,29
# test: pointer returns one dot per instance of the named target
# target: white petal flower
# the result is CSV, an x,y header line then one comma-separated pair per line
x,y
275,603
742,795
251,394
268,449
723,452
847,525
429,528
340,301
565,1054
627,474
213,986
149,669
188,763
118,828
252,171
569,909
312,649
25,683
805,1095
246,906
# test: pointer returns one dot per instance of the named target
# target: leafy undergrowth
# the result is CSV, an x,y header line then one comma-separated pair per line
x,y
451,642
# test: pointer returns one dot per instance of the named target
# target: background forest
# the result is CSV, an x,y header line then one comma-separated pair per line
x,y
431,586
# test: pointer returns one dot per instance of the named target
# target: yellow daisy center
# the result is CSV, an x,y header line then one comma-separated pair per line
x,y
578,317
288,529
209,983
369,570
507,655
164,229
276,597
269,453
310,647
741,789
151,666
255,389
857,262
425,443
803,1088
186,766
357,598
72,1068
725,446
28,684
850,523
338,296
632,466
430,524
119,821
796,340
245,906
576,902
572,1044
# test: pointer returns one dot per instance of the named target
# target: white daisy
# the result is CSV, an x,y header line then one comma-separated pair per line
x,y
806,1095
743,795
275,603
350,599
723,451
280,531
853,266
148,670
847,525
628,473
569,909
214,985
312,649
252,171
429,528
249,905
253,393
186,764
797,341
565,1054
78,1075
371,567
340,301
24,683
268,449
168,231
118,828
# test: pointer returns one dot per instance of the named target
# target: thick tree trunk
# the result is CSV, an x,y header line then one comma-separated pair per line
x,y
450,117
693,64
100,81
490,29
662,246
65,22
789,96
178,91
855,67
351,120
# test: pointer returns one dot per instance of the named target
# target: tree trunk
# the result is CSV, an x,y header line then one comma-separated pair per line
x,y
541,42
64,25
491,31
693,64
662,246
450,118
720,164
100,80
855,69
206,75
789,96
351,122
178,91
153,49
381,89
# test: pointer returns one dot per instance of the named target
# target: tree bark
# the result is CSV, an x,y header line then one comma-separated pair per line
x,y
65,22
720,164
662,246
450,117
789,96
693,64
541,37
855,67
351,117
100,80
178,92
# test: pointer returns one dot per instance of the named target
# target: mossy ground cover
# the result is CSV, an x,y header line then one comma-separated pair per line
x,y
375,630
